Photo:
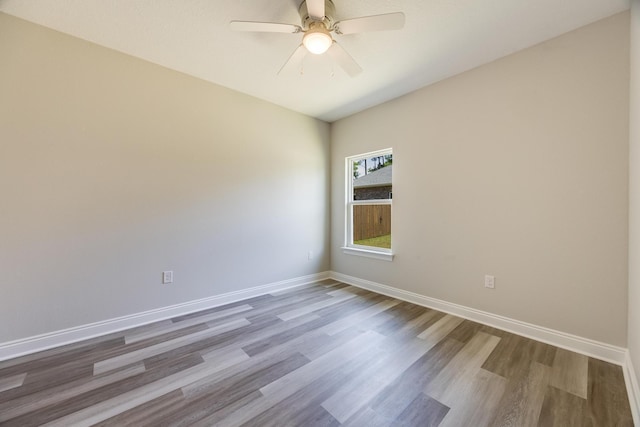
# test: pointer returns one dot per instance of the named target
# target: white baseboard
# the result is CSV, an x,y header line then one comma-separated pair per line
x,y
596,349
631,380
9,350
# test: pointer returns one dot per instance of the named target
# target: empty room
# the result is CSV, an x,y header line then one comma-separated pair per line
x,y
320,213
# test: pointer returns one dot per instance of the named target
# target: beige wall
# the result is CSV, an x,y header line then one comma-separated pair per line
x,y
113,169
634,191
518,169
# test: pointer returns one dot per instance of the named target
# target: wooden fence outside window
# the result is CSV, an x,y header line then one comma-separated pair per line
x,y
371,221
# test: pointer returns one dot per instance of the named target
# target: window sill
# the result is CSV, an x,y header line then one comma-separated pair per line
x,y
385,256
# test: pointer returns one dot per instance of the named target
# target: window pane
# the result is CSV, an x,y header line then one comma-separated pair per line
x,y
372,178
372,225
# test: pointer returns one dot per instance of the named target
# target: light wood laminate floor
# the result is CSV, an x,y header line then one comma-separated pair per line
x,y
325,355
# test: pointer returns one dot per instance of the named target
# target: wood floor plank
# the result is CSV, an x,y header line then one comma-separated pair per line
x,y
443,327
56,357
291,314
476,402
143,353
44,398
522,401
289,384
349,398
301,345
109,408
359,316
315,416
292,299
607,400
106,392
321,355
226,355
147,327
466,330
304,380
297,408
422,411
259,375
152,413
398,317
257,332
161,330
224,415
391,401
471,393
242,414
215,309
316,343
562,409
231,389
244,367
397,358
265,305
342,291
420,323
514,355
455,377
55,354
324,286
362,301
293,328
13,381
368,417
46,379
570,372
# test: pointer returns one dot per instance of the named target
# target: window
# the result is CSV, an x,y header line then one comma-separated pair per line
x,y
368,206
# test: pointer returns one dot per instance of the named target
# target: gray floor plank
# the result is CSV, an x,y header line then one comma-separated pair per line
x,y
422,411
569,372
561,409
391,401
14,381
322,355
522,401
607,401
44,398
397,358
143,353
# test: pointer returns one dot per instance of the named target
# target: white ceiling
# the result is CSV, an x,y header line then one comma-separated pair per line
x,y
441,38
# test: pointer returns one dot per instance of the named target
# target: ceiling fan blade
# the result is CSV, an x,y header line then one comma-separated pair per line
x,y
388,21
316,9
344,60
267,27
295,57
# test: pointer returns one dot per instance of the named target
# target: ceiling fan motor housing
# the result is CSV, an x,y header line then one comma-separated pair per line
x,y
329,13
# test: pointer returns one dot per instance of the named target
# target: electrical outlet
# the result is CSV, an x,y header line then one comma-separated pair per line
x,y
309,255
167,277
489,282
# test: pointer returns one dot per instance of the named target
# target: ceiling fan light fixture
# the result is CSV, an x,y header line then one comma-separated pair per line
x,y
317,23
317,40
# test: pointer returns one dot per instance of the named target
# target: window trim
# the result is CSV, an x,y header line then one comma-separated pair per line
x,y
349,247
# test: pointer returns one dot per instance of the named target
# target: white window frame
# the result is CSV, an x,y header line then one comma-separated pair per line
x,y
349,247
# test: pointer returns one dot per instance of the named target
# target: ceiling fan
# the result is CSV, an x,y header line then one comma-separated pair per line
x,y
317,24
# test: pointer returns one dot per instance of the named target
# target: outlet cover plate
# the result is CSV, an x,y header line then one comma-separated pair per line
x,y
167,277
489,282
